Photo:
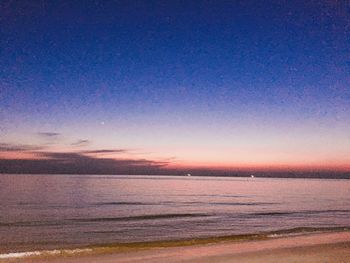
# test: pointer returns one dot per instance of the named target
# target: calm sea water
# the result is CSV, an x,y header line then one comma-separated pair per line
x,y
54,211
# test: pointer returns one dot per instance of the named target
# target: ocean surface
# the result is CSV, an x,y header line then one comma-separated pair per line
x,y
40,212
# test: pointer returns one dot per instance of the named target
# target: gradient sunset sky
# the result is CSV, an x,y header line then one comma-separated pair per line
x,y
144,85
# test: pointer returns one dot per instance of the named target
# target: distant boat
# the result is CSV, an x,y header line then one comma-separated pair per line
x,y
252,176
188,174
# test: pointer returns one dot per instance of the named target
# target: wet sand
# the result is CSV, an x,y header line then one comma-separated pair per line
x,y
321,247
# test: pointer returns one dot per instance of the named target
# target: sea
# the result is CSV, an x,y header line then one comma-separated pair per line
x,y
67,212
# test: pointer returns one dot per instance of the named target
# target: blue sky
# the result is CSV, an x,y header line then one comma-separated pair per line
x,y
201,83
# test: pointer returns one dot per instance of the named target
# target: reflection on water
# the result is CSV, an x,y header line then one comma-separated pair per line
x,y
48,211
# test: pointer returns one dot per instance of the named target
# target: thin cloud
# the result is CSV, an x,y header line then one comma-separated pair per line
x,y
8,147
78,163
81,143
49,134
106,151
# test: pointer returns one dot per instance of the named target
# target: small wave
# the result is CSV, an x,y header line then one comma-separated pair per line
x,y
142,217
98,219
120,203
212,195
31,223
303,230
273,213
243,204
308,212
216,203
182,203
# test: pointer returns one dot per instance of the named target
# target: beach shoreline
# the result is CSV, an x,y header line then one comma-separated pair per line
x,y
311,247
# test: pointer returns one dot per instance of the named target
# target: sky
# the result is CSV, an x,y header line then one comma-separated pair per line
x,y
159,86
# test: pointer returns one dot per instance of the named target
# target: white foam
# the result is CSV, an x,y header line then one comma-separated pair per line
x,y
44,252
19,254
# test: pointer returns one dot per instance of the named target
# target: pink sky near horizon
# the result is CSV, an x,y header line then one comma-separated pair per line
x,y
202,143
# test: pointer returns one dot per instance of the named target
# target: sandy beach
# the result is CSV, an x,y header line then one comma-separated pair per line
x,y
320,247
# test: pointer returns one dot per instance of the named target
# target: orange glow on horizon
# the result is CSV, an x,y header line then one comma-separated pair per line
x,y
341,167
